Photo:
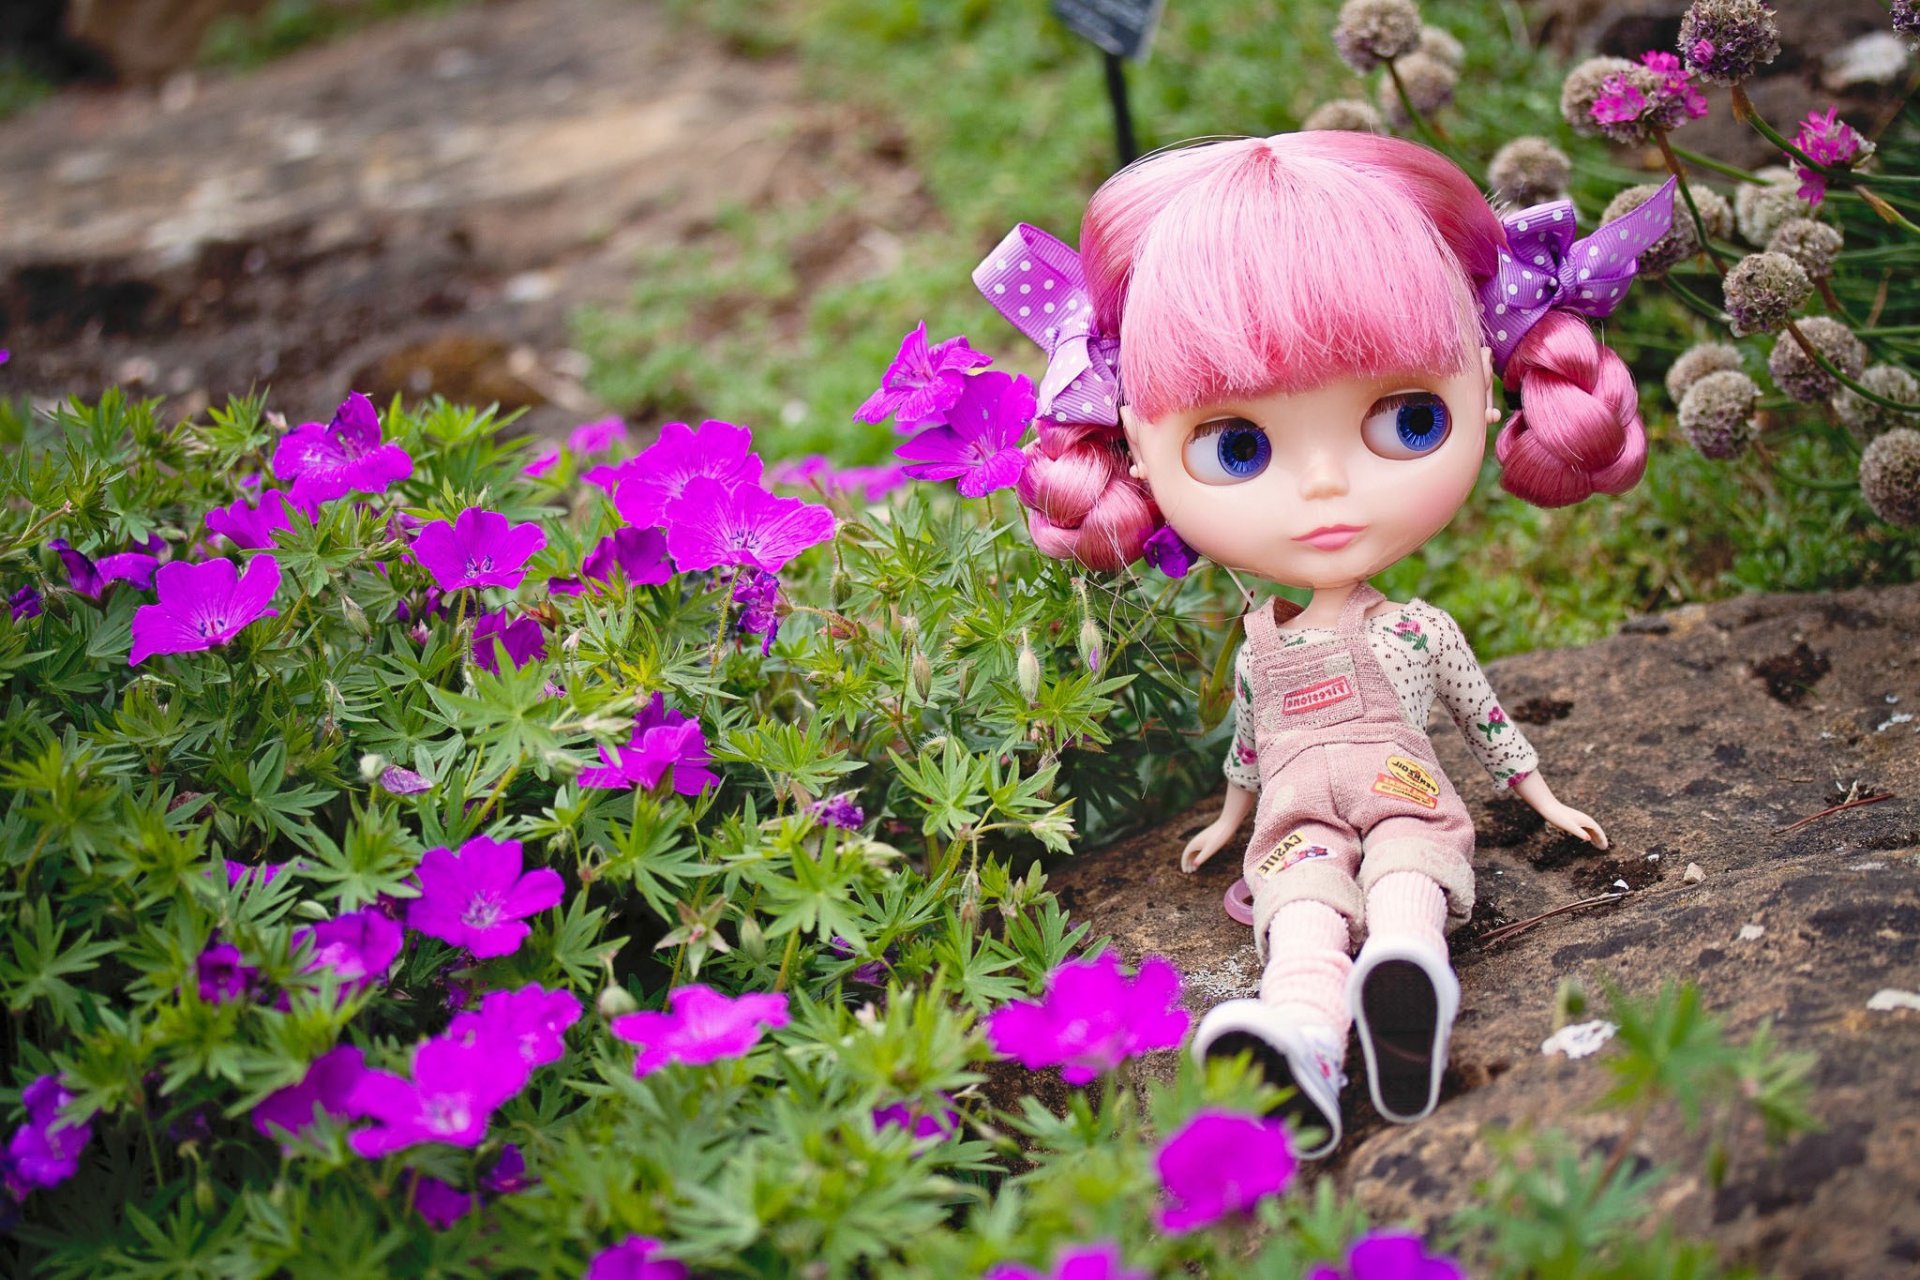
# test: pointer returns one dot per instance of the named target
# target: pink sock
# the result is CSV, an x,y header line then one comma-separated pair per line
x,y
1406,904
1307,965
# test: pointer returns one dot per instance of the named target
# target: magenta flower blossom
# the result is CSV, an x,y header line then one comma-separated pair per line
x,y
923,1123
45,1150
542,463
923,382
703,1027
1390,1255
718,451
396,781
979,446
24,603
597,436
479,549
262,874
662,739
345,456
530,1023
202,605
816,470
871,483
455,1089
1082,1262
1619,101
509,1173
838,811
756,605
1093,1018
522,638
251,527
477,898
710,525
90,577
1221,1163
1676,83
1169,553
327,1087
1828,140
224,974
442,1204
641,554
359,947
635,1258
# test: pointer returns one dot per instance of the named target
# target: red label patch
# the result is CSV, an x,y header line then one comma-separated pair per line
x,y
1315,696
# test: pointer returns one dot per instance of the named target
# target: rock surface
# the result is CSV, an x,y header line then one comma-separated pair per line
x,y
1695,737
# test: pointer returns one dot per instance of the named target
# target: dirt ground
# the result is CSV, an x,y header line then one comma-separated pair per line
x,y
415,208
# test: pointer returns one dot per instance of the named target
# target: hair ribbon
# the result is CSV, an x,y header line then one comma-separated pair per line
x,y
1038,284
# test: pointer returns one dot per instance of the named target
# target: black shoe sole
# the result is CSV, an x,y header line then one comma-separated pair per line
x,y
1299,1111
1403,1013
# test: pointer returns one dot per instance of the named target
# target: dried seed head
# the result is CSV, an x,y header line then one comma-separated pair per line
x,y
1368,32
1677,245
1437,42
1795,373
1865,418
1717,413
1697,362
1763,291
1583,87
1715,212
1761,209
1726,41
1351,115
1810,243
1529,171
1429,81
920,671
1890,476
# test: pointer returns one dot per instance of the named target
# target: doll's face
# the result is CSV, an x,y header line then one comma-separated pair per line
x,y
1321,488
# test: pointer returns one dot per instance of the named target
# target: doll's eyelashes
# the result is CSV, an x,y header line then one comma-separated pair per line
x,y
1227,451
1407,424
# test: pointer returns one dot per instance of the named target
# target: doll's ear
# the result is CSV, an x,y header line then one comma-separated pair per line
x,y
1130,423
1486,379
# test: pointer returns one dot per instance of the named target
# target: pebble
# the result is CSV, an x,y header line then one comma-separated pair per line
x,y
1887,998
1693,874
1579,1040
1752,932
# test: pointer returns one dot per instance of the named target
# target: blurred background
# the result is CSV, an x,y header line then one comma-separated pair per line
x,y
677,209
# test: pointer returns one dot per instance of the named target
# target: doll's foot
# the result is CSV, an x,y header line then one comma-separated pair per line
x,y
1403,995
1302,1056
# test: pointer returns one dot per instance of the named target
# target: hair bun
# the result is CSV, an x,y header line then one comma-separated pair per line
x,y
1578,431
1082,505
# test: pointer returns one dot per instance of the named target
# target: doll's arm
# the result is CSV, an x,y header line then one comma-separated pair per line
x,y
1243,776
1462,687
1534,790
1214,837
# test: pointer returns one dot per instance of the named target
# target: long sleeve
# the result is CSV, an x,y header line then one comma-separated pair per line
x,y
1243,760
1462,686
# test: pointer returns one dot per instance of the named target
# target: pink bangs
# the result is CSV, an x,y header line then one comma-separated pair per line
x,y
1256,266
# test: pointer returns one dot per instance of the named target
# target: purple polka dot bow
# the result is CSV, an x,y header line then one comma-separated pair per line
x,y
1036,282
1543,268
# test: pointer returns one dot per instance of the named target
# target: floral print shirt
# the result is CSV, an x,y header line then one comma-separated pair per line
x,y
1425,656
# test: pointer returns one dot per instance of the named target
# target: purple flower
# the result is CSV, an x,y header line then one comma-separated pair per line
x,y
756,605
345,456
1390,1255
1676,83
45,1150
703,1026
251,528
1169,553
541,464
441,1203
509,1173
1221,1163
328,1086
597,436
262,874
838,811
479,549
872,483
24,603
477,898
813,468
202,605
641,554
403,782
922,382
980,443
710,525
1827,140
1619,101
662,739
923,1123
522,639
455,1088
635,1258
1093,1018
530,1023
90,577
359,947
718,451
224,974
1082,1262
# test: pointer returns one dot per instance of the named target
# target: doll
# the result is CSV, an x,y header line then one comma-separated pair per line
x,y
1282,351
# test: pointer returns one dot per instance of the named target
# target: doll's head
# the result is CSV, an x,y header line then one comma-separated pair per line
x,y
1302,346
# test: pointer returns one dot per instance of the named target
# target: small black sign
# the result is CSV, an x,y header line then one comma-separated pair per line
x,y
1123,28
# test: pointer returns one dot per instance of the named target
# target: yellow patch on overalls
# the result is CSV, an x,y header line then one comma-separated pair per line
x,y
1408,780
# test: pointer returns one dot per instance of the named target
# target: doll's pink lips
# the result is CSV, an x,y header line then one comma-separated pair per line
x,y
1332,537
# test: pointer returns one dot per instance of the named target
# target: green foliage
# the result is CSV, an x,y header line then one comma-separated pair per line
x,y
241,42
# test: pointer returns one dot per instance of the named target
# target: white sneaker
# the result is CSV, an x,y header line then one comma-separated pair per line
x,y
1403,995
1303,1056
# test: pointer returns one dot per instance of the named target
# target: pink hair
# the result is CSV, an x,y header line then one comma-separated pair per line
x,y
1262,265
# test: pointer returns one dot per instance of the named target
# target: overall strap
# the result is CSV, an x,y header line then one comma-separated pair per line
x,y
1353,616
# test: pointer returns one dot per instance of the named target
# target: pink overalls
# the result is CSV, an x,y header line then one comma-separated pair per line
x,y
1349,791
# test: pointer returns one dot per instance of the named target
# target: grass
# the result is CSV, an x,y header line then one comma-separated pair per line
x,y
20,87
1004,117
237,43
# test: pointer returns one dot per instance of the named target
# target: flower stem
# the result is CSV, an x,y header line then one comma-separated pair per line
x,y
1686,193
1430,132
1839,375
786,960
1720,167
1693,301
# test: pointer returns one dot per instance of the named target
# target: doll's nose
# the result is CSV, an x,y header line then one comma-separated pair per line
x,y
1322,476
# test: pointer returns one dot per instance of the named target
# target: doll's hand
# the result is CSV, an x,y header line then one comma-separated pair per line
x,y
1575,823
1211,839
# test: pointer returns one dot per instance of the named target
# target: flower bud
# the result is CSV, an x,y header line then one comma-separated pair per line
x,y
921,672
1090,643
1890,476
1027,670
1716,414
910,627
1865,418
615,1001
1796,373
356,616
372,765
1696,362
1763,291
1349,115
839,590
1726,41
1529,171
1370,32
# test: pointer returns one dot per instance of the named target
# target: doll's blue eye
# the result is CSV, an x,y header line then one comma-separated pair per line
x,y
1227,451
1408,424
